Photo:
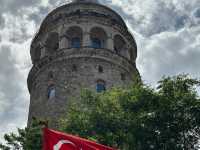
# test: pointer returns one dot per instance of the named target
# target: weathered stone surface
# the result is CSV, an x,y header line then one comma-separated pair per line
x,y
57,65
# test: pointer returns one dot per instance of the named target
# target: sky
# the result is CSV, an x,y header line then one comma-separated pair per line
x,y
167,33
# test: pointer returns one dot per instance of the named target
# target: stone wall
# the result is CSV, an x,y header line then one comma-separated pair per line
x,y
68,83
64,70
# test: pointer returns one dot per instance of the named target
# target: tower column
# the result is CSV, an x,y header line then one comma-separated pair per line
x,y
43,51
86,37
110,43
63,42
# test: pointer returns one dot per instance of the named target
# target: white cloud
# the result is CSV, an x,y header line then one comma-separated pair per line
x,y
170,53
45,3
167,34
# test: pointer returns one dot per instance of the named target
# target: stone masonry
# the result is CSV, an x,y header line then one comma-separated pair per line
x,y
79,45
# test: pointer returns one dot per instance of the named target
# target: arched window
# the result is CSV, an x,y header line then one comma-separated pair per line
x,y
100,69
98,38
123,76
52,42
75,43
74,36
101,86
74,68
120,45
51,93
96,43
50,75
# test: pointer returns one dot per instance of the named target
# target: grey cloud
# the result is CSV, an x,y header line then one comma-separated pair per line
x,y
44,10
165,18
154,17
12,97
15,13
181,21
197,13
15,6
2,21
169,53
168,38
39,15
19,36
9,76
57,3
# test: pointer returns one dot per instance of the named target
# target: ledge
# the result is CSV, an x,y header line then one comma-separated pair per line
x,y
85,52
62,12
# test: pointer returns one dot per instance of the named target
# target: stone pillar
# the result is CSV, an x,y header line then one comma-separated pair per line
x,y
43,51
110,44
86,37
128,52
63,42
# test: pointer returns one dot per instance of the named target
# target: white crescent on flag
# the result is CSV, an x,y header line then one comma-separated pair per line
x,y
61,142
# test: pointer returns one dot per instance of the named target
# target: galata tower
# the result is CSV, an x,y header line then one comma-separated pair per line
x,y
82,44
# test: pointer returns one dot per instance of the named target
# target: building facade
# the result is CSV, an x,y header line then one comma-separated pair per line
x,y
82,44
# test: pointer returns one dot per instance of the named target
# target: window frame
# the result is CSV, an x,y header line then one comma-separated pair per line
x,y
100,86
51,88
75,42
96,43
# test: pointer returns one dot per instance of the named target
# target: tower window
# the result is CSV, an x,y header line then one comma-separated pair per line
x,y
96,43
100,87
123,76
98,37
100,69
50,75
51,92
120,45
76,42
116,50
75,37
74,68
52,42
56,46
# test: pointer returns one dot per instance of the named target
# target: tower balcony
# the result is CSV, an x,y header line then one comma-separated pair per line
x,y
67,54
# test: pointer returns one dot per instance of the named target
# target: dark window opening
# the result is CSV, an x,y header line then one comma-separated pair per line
x,y
52,42
76,43
116,50
96,43
98,37
100,87
56,46
120,45
50,75
100,68
51,92
74,35
123,76
74,68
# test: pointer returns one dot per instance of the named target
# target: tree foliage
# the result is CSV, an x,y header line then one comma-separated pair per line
x,y
29,138
139,117
136,118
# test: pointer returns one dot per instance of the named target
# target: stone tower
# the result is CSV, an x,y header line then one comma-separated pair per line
x,y
82,44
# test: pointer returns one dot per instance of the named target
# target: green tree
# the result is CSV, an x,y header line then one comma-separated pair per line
x,y
29,138
139,117
136,118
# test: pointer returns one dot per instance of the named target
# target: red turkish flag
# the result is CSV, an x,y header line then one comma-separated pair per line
x,y
54,140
